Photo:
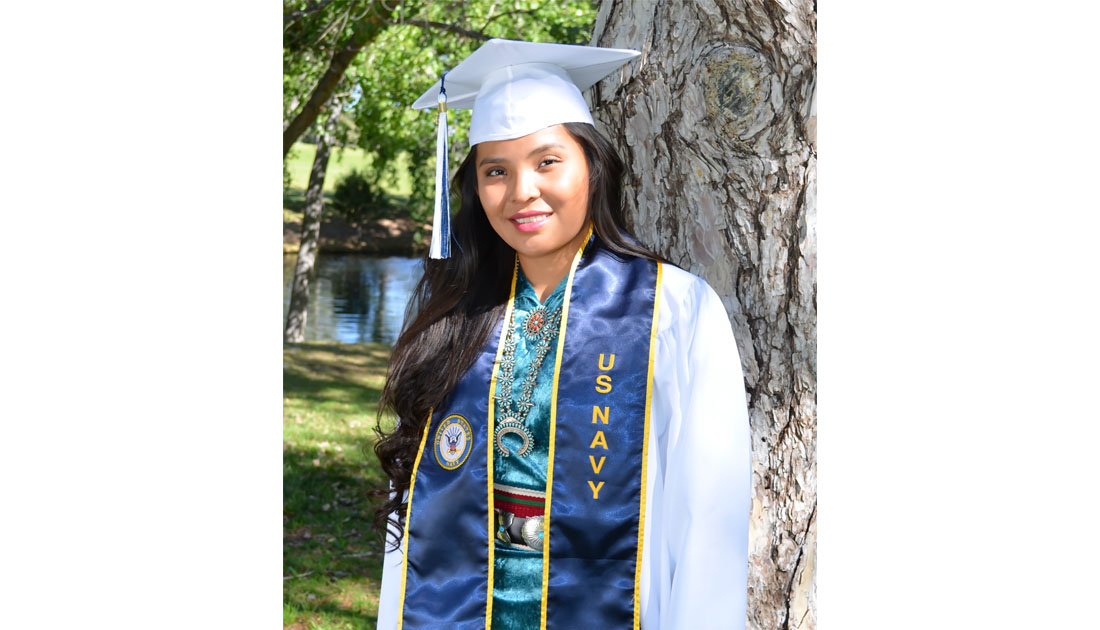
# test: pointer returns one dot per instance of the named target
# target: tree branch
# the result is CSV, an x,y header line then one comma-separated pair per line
x,y
326,85
365,33
294,15
335,26
450,28
500,15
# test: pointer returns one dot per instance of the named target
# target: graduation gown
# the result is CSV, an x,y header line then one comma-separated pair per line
x,y
698,476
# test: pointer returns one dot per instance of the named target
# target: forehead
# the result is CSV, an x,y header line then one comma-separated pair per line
x,y
555,137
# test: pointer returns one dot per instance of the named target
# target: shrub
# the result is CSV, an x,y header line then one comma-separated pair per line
x,y
356,198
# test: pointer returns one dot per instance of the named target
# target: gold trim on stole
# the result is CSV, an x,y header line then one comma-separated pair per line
x,y
408,516
553,426
490,442
645,451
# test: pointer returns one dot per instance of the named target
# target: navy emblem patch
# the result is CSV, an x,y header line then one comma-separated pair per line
x,y
453,441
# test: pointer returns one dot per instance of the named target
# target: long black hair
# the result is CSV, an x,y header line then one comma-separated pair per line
x,y
458,302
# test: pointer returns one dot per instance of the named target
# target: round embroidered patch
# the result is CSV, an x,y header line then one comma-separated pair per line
x,y
453,439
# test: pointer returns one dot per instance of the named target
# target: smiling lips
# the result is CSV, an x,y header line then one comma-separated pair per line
x,y
529,221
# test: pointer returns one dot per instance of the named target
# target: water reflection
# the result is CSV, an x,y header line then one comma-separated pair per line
x,y
355,299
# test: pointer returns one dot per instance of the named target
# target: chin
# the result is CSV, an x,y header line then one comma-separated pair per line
x,y
537,246
542,243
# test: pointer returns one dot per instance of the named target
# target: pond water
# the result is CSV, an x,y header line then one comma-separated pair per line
x,y
355,299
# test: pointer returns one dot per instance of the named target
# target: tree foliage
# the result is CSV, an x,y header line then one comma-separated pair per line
x,y
420,39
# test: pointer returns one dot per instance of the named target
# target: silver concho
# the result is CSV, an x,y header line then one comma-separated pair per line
x,y
511,425
504,522
532,532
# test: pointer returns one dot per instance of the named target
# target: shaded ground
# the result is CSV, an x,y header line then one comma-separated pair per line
x,y
332,556
384,237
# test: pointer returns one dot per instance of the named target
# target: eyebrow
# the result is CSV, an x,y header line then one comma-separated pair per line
x,y
498,160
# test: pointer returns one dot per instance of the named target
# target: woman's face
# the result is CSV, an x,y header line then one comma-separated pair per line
x,y
535,193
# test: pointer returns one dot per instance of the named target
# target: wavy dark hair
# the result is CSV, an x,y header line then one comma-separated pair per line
x,y
458,302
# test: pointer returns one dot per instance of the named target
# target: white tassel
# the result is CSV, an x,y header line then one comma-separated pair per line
x,y
441,223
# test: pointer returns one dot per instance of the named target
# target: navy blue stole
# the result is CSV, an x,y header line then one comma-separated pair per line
x,y
595,503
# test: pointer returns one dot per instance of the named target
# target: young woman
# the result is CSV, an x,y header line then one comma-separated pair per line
x,y
573,443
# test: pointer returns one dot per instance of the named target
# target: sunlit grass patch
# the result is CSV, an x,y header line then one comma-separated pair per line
x,y
395,184
342,161
332,556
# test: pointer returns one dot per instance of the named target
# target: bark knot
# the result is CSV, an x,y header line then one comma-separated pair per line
x,y
736,90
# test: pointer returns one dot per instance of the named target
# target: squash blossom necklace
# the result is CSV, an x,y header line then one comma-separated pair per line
x,y
541,327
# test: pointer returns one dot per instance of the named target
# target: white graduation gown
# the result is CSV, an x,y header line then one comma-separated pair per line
x,y
698,496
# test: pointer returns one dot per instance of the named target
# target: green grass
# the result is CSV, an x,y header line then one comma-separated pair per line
x,y
397,187
343,161
332,555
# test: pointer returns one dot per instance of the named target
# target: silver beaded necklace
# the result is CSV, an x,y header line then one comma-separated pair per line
x,y
541,326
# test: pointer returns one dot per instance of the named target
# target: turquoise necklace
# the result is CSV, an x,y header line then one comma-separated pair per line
x,y
541,327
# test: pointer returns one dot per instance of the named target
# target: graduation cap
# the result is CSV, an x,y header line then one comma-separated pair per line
x,y
515,88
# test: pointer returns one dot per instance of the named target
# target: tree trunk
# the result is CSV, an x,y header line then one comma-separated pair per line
x,y
367,29
311,236
718,124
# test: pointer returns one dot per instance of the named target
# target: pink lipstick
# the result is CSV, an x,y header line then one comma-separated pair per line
x,y
529,221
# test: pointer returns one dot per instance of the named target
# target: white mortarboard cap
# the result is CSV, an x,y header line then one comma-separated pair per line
x,y
515,88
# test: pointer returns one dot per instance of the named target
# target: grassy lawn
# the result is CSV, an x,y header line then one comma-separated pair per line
x,y
332,556
342,161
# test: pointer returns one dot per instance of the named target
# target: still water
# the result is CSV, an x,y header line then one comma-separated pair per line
x,y
355,299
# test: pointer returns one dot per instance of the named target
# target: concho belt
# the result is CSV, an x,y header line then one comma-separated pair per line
x,y
518,531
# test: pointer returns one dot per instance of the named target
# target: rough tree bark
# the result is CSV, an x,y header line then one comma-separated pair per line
x,y
717,122
311,234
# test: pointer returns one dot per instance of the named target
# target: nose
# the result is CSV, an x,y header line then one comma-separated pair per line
x,y
526,186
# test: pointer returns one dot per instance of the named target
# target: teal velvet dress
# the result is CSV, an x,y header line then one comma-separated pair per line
x,y
517,572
